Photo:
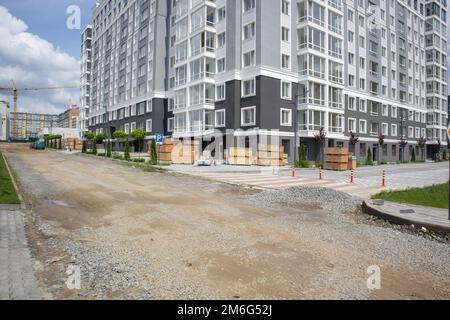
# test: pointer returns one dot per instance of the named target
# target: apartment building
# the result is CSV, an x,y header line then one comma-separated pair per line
x,y
85,78
28,125
4,120
128,80
69,118
279,70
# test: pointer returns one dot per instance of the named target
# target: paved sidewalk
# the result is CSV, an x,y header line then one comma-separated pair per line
x,y
17,280
367,181
431,218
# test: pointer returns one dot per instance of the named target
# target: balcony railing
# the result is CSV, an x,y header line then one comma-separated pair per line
x,y
311,101
336,130
313,73
336,105
337,4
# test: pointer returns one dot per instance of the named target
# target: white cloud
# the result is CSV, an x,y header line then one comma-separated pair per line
x,y
34,62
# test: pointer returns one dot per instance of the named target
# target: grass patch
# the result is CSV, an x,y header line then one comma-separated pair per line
x,y
435,196
8,194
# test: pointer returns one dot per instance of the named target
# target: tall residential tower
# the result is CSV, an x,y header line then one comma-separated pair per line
x,y
278,69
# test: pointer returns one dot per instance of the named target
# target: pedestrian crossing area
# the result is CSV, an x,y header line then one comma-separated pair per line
x,y
267,181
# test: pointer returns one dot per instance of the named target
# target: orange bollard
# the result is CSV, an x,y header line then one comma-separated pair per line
x,y
383,181
352,177
321,174
293,170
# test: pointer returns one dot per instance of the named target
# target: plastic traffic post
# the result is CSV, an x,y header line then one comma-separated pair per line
x,y
383,181
352,176
321,174
293,170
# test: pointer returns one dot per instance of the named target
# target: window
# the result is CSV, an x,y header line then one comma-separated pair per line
x,y
149,125
362,149
248,116
220,92
127,128
133,126
362,126
248,87
285,7
384,129
220,118
351,103
249,31
149,107
170,124
286,90
286,117
249,4
285,34
351,125
221,14
221,40
221,65
285,61
249,59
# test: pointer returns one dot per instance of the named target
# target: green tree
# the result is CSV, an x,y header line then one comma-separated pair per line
x,y
413,155
127,151
121,136
109,149
139,135
369,160
101,138
94,146
303,163
153,153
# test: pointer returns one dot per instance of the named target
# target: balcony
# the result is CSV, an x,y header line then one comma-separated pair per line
x,y
335,130
337,4
302,101
312,73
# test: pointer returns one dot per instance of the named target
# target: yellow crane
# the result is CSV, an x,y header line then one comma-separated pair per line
x,y
15,91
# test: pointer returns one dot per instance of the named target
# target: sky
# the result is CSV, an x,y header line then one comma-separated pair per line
x,y
38,50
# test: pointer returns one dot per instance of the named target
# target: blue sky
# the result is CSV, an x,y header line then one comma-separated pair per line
x,y
47,18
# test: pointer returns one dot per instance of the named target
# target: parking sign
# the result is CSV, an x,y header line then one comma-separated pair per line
x,y
159,139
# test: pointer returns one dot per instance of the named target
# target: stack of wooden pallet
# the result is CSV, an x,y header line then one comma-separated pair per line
x,y
271,156
185,152
336,159
73,144
240,156
165,151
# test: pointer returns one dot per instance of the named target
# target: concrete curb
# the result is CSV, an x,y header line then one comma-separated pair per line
x,y
377,211
12,207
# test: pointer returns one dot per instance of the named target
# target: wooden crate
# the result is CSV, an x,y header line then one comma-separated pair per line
x,y
270,163
165,157
240,161
337,151
240,152
336,158
270,148
336,166
165,148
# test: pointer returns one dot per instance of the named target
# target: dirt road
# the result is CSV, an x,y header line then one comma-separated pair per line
x,y
168,236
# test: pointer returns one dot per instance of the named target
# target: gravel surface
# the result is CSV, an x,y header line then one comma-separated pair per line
x,y
326,198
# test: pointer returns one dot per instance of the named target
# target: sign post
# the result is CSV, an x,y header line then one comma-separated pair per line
x,y
159,142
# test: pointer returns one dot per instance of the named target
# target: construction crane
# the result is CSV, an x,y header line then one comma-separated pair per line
x,y
16,91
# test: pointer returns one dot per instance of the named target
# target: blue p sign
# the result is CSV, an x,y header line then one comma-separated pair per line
x,y
159,139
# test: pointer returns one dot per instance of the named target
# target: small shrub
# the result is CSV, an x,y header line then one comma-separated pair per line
x,y
413,155
101,154
369,160
127,151
94,148
109,149
139,160
383,162
153,154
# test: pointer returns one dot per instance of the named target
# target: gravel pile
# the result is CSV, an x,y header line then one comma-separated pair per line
x,y
326,198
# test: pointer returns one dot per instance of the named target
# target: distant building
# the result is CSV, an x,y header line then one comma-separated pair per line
x,y
4,121
29,124
86,65
69,118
